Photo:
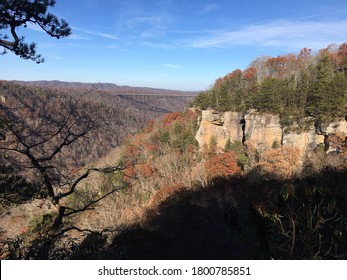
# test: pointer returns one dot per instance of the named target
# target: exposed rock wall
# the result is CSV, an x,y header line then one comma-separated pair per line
x,y
336,127
262,129
221,127
306,141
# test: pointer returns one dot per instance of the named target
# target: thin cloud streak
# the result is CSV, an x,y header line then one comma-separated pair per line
x,y
325,14
173,66
105,35
280,33
95,33
155,20
192,32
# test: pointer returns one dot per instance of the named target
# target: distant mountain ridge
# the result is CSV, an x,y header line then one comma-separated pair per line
x,y
114,88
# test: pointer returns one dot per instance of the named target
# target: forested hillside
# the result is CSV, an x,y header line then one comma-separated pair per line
x,y
179,202
116,116
273,188
163,196
49,137
292,85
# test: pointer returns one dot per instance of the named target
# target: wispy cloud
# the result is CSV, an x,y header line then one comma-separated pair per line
x,y
335,13
96,33
192,32
173,66
74,36
151,20
279,33
148,26
106,35
164,46
209,8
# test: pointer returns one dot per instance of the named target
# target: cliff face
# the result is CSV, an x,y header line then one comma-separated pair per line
x,y
264,130
221,127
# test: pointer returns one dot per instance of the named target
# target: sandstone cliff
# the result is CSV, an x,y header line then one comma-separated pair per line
x,y
263,129
221,127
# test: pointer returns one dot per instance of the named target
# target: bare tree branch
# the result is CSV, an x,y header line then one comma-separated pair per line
x,y
37,144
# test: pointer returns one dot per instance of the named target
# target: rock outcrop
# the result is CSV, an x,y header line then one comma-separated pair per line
x,y
221,127
264,130
306,141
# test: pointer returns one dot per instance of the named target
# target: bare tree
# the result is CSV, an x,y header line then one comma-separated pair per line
x,y
40,144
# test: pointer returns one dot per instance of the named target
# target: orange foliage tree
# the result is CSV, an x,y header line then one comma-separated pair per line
x,y
222,165
171,117
279,163
250,73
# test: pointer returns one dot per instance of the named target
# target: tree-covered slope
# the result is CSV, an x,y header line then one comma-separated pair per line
x,y
293,85
180,201
117,116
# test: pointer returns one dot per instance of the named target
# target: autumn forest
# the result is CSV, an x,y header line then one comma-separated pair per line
x,y
100,176
253,168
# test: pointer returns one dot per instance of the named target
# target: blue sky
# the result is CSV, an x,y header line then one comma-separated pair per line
x,y
174,44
